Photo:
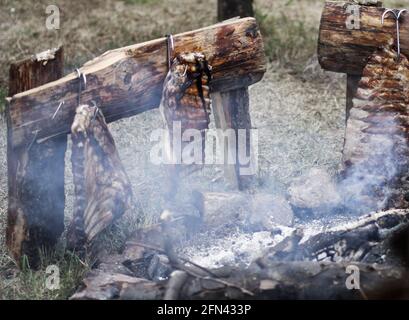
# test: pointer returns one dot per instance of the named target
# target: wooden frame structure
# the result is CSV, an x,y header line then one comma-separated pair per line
x,y
123,83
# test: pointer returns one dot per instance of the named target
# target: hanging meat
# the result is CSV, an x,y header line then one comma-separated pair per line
x,y
185,105
376,142
102,188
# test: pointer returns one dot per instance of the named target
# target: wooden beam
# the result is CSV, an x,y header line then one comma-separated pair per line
x,y
35,173
127,81
343,49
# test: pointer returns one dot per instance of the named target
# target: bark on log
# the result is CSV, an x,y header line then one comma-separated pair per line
x,y
365,240
343,49
35,171
227,9
127,81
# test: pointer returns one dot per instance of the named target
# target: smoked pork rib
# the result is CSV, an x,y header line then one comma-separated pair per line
x,y
102,188
376,141
185,105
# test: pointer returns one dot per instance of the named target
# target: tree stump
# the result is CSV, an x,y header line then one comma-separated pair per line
x,y
35,170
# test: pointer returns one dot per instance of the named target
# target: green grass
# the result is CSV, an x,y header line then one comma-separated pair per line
x,y
30,284
288,42
3,95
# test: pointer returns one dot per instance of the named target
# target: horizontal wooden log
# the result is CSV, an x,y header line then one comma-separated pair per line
x,y
127,81
342,49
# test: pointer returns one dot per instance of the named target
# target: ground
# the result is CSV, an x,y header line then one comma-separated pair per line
x,y
298,109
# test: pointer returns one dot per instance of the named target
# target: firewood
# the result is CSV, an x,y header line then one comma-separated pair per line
x,y
363,240
266,280
305,267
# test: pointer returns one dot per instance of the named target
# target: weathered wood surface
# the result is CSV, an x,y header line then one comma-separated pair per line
x,y
347,50
35,171
231,108
231,111
127,81
352,87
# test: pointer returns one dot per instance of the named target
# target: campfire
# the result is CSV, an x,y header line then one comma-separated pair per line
x,y
346,233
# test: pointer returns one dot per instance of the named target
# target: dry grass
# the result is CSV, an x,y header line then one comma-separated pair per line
x,y
298,109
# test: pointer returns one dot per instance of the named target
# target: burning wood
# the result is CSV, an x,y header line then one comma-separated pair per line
x,y
102,189
271,280
289,270
363,240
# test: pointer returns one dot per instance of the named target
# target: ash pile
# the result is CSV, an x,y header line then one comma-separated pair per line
x,y
261,246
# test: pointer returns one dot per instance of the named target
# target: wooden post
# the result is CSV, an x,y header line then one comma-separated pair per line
x,y
352,86
35,171
231,111
231,108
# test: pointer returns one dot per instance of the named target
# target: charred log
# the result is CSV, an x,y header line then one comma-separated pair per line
x,y
366,240
227,9
274,280
301,272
